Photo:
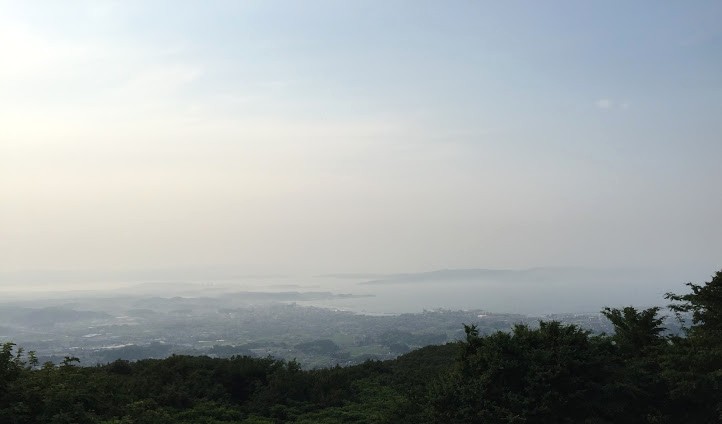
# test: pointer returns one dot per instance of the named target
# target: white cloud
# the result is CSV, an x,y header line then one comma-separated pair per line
x,y
604,103
607,104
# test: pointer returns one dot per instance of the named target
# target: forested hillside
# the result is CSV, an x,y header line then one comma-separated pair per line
x,y
552,374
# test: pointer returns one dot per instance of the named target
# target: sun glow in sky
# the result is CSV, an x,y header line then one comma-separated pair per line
x,y
324,136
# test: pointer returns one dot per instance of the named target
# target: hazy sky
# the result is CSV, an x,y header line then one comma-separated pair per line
x,y
360,136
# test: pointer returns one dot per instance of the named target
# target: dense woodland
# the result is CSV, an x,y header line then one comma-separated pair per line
x,y
551,374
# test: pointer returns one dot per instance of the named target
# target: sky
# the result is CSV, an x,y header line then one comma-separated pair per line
x,y
374,136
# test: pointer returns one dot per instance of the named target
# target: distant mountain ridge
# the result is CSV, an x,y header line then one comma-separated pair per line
x,y
539,274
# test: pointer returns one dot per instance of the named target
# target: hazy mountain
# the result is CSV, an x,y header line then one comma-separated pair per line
x,y
530,275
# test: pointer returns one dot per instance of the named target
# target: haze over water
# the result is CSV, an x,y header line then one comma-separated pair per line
x,y
529,292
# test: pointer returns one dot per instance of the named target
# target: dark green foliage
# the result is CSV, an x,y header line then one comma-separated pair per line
x,y
694,365
705,304
551,374
635,332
